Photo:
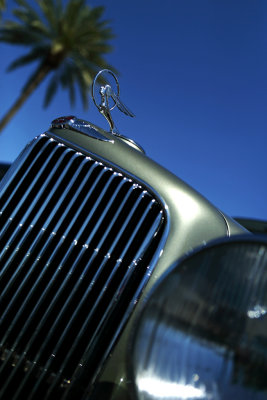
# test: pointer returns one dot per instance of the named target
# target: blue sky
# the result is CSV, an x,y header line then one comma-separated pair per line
x,y
194,74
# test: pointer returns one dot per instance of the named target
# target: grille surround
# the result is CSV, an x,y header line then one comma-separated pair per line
x,y
61,383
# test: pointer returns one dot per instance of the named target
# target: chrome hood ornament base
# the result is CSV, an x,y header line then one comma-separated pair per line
x,y
79,125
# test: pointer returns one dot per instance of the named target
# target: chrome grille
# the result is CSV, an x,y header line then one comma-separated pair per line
x,y
78,241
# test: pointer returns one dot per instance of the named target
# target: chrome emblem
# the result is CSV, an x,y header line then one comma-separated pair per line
x,y
73,123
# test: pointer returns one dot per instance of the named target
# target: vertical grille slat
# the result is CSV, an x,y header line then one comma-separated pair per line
x,y
39,215
32,155
78,242
13,210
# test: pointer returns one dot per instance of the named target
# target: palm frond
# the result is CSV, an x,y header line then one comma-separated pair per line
x,y
67,79
87,63
96,13
16,34
51,90
79,77
74,10
2,5
33,76
52,12
26,13
68,76
36,53
30,23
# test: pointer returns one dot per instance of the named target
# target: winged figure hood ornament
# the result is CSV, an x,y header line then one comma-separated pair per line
x,y
108,96
109,99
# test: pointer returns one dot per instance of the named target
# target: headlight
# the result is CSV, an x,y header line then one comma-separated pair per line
x,y
203,331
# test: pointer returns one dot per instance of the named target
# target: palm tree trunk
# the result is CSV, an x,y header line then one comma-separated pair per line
x,y
33,84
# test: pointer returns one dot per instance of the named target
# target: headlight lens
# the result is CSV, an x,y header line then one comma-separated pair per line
x,y
203,331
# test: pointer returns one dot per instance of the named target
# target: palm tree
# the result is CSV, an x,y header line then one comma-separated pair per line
x,y
2,6
67,42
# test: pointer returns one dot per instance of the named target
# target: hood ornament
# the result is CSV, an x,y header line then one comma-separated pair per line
x,y
108,95
109,99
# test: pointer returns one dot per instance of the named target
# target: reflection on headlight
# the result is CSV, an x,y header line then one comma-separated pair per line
x,y
162,389
257,312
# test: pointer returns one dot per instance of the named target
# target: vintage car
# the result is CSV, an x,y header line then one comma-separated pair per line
x,y
118,280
